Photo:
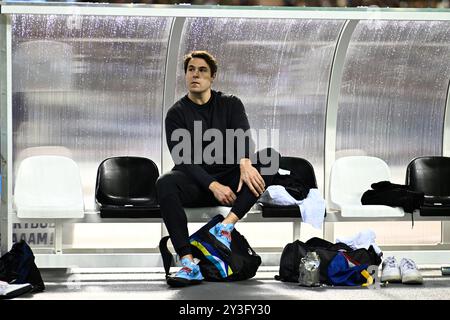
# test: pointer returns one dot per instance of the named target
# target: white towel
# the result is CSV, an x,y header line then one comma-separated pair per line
x,y
312,208
363,239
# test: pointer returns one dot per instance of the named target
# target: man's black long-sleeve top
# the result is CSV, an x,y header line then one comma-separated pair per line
x,y
221,112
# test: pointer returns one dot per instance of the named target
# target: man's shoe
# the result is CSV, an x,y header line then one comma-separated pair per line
x,y
189,274
410,272
390,270
222,232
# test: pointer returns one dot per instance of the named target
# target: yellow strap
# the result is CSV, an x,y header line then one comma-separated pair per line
x,y
369,278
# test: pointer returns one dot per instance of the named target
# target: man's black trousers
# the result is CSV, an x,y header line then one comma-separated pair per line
x,y
177,190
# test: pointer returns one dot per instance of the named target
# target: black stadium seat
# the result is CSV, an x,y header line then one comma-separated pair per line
x,y
431,175
125,188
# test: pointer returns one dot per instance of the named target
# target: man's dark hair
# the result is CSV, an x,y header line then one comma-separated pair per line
x,y
202,54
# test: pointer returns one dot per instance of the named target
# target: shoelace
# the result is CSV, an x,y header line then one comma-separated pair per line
x,y
408,264
391,262
226,234
186,269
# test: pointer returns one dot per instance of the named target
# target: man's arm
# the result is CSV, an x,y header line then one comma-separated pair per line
x,y
239,120
251,177
249,174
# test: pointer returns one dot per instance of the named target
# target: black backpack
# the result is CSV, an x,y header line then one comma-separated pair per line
x,y
293,252
17,266
217,263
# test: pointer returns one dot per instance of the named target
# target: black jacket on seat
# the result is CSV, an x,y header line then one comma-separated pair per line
x,y
393,195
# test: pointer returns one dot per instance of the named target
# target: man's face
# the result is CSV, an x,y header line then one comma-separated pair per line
x,y
198,76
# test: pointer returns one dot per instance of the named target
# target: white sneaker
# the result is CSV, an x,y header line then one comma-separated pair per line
x,y
390,270
410,272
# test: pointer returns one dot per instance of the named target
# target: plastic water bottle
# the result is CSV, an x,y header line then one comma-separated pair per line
x,y
309,273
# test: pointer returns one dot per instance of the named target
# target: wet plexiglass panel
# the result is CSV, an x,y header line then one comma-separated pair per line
x,y
87,87
279,68
393,92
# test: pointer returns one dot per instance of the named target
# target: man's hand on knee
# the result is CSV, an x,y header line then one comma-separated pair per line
x,y
222,193
251,177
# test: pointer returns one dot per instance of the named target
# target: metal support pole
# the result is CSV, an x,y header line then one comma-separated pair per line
x,y
445,225
5,133
58,237
297,228
337,70
170,82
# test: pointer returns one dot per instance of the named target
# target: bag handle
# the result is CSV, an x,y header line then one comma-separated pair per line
x,y
166,255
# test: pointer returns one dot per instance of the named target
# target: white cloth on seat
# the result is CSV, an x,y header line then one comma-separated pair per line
x,y
312,208
363,239
48,187
277,195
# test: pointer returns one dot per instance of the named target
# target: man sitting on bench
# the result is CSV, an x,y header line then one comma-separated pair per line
x,y
221,172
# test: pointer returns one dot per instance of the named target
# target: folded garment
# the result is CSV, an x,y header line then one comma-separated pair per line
x,y
387,185
393,195
293,184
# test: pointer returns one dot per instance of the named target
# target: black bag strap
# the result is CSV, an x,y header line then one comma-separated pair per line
x,y
166,255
